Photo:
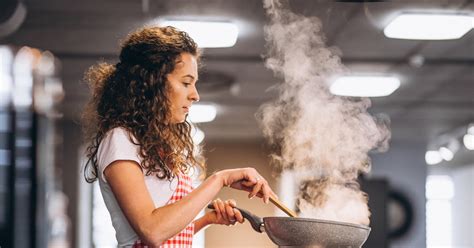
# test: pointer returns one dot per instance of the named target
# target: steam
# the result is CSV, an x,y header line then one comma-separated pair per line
x,y
331,201
317,134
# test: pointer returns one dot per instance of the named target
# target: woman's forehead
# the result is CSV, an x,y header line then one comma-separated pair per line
x,y
186,58
186,63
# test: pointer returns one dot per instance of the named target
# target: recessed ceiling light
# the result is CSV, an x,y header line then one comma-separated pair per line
x,y
433,157
470,129
208,34
446,153
429,26
468,141
365,86
202,113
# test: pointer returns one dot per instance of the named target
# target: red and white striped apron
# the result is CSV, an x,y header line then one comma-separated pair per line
x,y
183,239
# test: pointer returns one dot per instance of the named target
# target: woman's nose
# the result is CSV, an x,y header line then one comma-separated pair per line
x,y
194,96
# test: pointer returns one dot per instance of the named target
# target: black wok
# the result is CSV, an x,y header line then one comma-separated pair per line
x,y
305,232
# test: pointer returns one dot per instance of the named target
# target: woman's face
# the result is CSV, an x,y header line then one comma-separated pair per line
x,y
182,90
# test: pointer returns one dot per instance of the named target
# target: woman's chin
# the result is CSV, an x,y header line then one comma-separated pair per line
x,y
178,120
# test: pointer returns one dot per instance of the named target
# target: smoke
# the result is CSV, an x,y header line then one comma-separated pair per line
x,y
317,134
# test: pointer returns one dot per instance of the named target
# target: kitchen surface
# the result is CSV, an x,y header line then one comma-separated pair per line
x,y
360,114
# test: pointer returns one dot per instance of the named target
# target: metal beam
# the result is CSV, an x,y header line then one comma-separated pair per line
x,y
259,59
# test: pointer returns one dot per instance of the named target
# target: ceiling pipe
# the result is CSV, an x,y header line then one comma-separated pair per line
x,y
259,59
12,15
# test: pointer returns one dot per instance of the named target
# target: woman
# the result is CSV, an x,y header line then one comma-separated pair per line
x,y
140,148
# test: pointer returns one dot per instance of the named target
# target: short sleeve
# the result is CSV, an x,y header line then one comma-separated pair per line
x,y
116,145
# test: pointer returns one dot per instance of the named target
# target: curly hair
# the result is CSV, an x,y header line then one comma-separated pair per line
x,y
133,95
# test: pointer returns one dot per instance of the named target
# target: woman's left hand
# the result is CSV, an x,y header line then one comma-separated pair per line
x,y
225,213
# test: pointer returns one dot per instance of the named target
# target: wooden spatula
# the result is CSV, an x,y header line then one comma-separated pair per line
x,y
283,208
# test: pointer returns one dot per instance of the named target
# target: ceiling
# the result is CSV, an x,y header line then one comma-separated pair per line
x,y
434,98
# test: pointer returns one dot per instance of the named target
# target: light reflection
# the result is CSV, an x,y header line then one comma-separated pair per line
x,y
439,220
23,73
6,80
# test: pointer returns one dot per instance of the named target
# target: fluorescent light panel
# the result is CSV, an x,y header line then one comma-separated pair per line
x,y
429,26
208,34
202,113
365,86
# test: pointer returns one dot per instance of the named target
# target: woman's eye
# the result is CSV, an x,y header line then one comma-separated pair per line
x,y
186,84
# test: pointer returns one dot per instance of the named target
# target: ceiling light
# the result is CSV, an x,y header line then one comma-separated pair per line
x,y
202,113
446,154
365,86
433,157
428,26
470,129
208,34
468,141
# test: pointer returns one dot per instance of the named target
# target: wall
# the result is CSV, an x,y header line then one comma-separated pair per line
x,y
227,155
221,155
463,204
72,138
404,167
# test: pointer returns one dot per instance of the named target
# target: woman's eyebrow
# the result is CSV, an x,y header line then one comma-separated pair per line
x,y
190,76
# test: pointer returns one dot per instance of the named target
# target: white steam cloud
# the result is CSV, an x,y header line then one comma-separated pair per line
x,y
322,135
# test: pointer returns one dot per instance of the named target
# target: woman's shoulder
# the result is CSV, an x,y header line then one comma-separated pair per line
x,y
119,134
118,140
116,145
117,131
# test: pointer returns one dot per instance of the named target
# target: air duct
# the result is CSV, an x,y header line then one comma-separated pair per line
x,y
12,15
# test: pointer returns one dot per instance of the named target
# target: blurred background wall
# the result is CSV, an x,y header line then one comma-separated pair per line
x,y
420,197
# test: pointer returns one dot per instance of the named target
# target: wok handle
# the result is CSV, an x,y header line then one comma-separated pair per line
x,y
255,221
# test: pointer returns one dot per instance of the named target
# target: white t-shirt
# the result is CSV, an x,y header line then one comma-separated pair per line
x,y
116,145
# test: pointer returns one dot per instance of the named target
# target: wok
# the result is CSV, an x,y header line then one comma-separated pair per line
x,y
306,232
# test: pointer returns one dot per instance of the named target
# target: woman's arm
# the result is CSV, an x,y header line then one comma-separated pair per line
x,y
201,223
154,226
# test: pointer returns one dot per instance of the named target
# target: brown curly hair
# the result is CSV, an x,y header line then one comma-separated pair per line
x,y
133,95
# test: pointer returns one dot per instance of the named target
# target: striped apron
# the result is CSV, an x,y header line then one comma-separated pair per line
x,y
183,239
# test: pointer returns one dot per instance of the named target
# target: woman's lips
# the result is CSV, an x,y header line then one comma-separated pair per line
x,y
186,109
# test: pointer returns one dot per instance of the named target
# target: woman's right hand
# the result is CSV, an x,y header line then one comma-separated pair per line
x,y
225,213
247,179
